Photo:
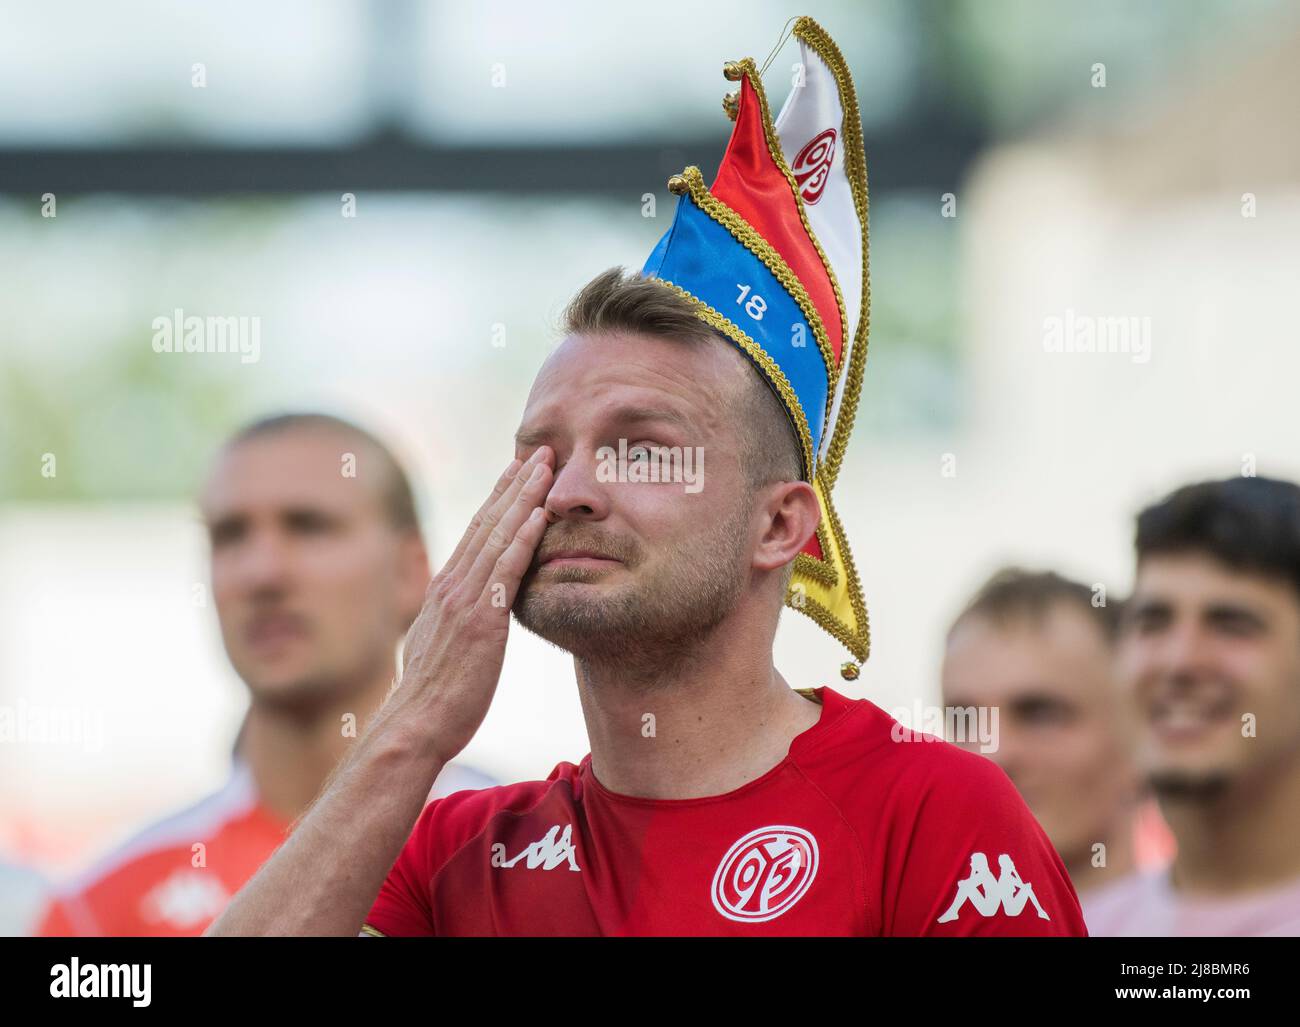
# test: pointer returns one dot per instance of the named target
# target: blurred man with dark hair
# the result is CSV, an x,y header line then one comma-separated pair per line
x,y
1038,648
318,569
1210,649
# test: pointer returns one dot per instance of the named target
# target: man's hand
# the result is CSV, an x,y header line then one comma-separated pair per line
x,y
324,878
456,646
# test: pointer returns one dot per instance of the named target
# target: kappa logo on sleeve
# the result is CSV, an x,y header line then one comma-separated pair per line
x,y
988,894
548,853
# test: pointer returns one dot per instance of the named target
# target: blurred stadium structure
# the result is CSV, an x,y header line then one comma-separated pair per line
x,y
502,154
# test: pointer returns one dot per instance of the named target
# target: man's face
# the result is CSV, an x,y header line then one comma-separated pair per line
x,y
312,584
634,566
1061,721
1202,647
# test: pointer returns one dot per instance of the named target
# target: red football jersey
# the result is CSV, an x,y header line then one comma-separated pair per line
x,y
853,833
157,885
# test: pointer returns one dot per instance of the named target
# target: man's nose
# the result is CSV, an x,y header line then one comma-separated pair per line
x,y
1183,654
577,493
262,564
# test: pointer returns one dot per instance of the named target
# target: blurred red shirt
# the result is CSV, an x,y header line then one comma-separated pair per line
x,y
161,882
175,877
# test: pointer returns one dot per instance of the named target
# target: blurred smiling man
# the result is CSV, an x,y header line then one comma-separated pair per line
x,y
318,568
1210,652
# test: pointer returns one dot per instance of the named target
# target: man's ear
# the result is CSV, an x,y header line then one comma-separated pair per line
x,y
791,514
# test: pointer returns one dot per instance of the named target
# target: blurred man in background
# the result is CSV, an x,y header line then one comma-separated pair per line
x,y
1210,649
1036,647
318,569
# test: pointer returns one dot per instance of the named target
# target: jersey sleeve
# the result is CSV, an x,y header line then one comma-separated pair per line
x,y
978,863
403,907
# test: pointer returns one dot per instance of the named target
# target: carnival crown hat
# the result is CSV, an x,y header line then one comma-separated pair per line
x,y
773,256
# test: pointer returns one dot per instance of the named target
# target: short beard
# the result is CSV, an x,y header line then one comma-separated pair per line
x,y
1186,786
650,630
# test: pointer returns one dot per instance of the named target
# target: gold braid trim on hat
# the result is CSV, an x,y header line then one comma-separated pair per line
x,y
811,567
855,162
748,236
828,622
760,357
859,645
819,570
